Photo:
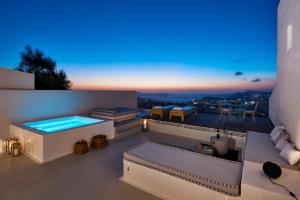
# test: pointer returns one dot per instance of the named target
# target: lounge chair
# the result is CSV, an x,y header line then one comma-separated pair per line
x,y
173,173
160,110
116,114
182,112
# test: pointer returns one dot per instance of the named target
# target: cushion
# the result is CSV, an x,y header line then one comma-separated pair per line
x,y
260,149
290,154
157,107
275,129
187,108
281,144
277,135
178,108
283,135
217,174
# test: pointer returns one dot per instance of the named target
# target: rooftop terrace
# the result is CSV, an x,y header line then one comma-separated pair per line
x,y
92,176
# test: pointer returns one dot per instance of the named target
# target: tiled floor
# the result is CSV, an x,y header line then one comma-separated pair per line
x,y
94,175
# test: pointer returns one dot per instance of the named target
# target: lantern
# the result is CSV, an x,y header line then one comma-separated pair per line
x,y
16,149
9,143
145,125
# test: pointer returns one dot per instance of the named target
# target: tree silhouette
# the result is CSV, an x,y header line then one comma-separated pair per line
x,y
44,68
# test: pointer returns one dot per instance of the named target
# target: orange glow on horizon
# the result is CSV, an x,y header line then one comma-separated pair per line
x,y
215,87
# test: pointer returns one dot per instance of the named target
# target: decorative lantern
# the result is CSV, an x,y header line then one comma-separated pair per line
x,y
16,149
9,143
145,125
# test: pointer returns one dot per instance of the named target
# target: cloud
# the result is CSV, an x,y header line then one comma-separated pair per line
x,y
240,60
255,80
238,73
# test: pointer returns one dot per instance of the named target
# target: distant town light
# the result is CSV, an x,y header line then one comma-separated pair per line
x,y
145,125
289,37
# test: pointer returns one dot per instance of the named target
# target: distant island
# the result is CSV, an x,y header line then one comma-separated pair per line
x,y
208,103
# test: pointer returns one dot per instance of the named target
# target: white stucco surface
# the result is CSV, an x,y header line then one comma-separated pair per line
x,y
285,99
12,79
47,147
29,105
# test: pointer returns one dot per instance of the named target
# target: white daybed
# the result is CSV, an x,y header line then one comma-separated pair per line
x,y
173,173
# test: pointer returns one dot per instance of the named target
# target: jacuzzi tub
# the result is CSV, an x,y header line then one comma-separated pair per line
x,y
46,140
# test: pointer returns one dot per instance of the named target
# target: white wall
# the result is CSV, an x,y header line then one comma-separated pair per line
x,y
285,99
24,105
12,79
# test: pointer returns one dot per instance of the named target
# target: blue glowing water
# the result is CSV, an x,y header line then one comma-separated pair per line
x,y
63,123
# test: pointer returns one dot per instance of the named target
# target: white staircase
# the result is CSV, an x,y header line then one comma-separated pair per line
x,y
2,142
127,128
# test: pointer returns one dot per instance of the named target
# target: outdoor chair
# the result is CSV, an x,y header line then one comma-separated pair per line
x,y
251,112
225,109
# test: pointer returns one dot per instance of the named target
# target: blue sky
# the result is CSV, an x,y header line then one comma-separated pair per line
x,y
148,45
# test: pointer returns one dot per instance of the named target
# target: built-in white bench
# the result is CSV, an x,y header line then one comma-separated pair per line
x,y
179,170
255,184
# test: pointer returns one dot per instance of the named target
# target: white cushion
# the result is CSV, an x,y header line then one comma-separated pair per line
x,y
283,135
290,154
281,144
157,107
276,129
277,135
178,108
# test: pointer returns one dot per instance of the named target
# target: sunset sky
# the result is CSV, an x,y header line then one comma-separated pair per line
x,y
154,45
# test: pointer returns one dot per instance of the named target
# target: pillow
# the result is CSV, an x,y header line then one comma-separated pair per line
x,y
290,154
178,108
284,135
157,107
281,144
277,135
276,129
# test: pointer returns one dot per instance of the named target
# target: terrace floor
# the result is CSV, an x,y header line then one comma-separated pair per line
x,y
94,175
262,124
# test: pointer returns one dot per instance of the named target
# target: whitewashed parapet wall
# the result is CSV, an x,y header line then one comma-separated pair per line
x,y
285,99
24,105
12,79
199,133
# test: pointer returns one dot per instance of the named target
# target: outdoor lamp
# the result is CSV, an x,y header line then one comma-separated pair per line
x,y
9,143
16,149
145,125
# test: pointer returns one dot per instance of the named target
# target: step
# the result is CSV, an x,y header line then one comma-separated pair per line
x,y
128,132
2,142
128,125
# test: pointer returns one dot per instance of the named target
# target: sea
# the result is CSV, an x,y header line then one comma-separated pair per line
x,y
177,98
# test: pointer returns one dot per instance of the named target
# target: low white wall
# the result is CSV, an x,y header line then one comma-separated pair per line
x,y
285,100
196,132
26,105
12,79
